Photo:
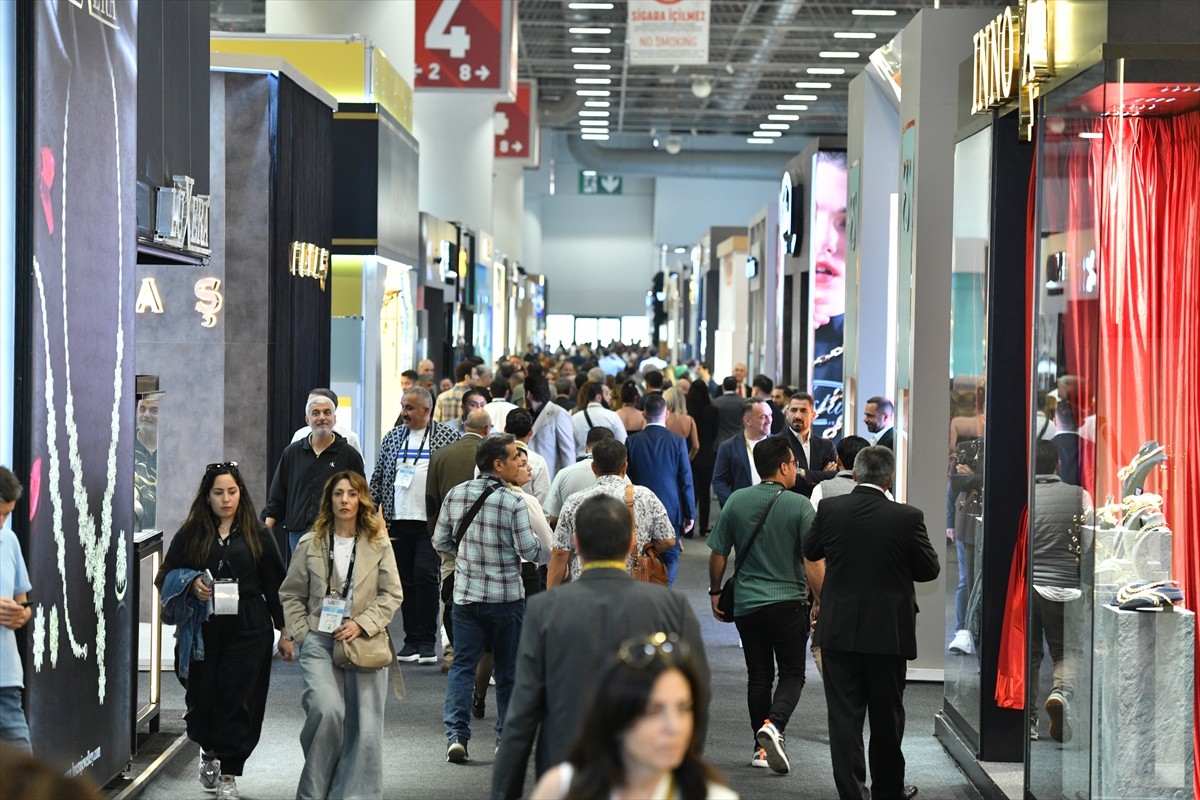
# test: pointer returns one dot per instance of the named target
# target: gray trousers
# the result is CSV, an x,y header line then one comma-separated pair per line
x,y
342,735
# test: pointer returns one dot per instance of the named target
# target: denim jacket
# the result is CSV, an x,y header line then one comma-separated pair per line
x,y
187,613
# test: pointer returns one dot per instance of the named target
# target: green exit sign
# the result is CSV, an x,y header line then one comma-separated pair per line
x,y
591,182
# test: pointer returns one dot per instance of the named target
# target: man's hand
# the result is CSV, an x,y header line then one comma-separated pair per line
x,y
348,631
830,467
716,598
287,649
13,615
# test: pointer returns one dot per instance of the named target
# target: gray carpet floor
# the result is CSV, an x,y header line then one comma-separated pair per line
x,y
415,765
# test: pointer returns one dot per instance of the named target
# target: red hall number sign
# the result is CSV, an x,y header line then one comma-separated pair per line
x,y
459,44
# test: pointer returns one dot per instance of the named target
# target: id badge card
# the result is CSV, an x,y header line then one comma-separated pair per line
x,y
405,474
332,611
225,597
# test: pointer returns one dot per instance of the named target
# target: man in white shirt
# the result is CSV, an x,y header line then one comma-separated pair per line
x,y
575,478
499,406
594,414
520,424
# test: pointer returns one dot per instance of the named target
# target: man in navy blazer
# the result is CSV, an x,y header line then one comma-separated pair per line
x,y
734,469
658,460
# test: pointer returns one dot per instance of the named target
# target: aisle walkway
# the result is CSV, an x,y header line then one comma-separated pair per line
x,y
415,765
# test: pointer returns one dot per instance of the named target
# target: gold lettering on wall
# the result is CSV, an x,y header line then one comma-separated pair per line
x,y
1008,48
310,261
209,300
148,298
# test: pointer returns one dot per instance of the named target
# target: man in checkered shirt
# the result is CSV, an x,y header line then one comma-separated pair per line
x,y
489,597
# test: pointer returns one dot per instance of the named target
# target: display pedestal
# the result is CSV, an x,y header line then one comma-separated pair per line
x,y
1142,746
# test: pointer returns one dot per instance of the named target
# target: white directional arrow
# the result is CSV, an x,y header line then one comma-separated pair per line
x,y
610,183
482,73
517,146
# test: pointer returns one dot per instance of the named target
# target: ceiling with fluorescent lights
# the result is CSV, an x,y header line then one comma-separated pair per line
x,y
758,51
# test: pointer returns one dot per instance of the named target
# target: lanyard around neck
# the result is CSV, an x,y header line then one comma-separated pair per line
x,y
420,447
349,569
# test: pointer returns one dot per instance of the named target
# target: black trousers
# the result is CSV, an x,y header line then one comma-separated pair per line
x,y
777,633
857,684
227,691
702,473
420,570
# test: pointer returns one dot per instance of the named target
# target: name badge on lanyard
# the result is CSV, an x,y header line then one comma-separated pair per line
x,y
225,597
333,606
405,472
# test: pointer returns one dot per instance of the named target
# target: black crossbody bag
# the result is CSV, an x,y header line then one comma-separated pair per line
x,y
725,602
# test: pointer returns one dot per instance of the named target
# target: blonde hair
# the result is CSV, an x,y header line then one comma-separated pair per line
x,y
676,401
367,525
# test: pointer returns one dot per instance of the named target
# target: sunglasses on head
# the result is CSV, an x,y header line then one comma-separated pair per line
x,y
665,647
219,465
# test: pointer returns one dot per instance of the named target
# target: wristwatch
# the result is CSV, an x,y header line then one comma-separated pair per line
x,y
713,592
287,637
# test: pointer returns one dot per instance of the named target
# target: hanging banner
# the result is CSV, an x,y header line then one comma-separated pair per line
x,y
465,44
827,289
668,31
79,288
516,130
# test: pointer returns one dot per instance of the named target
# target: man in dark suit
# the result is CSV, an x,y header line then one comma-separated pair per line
x,y
817,457
874,549
878,415
734,470
729,411
568,634
762,389
658,460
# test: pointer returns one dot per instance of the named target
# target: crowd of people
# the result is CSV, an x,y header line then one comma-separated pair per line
x,y
524,512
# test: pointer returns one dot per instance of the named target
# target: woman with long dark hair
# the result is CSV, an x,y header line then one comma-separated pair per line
x,y
346,556
637,738
631,416
224,567
702,411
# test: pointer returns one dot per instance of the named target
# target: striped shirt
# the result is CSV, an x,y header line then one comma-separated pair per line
x,y
399,448
487,564
774,570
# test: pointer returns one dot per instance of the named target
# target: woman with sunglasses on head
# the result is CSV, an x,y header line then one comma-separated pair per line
x,y
224,570
342,584
636,741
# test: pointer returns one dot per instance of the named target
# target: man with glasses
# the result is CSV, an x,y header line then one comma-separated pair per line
x,y
570,632
486,528
770,592
303,468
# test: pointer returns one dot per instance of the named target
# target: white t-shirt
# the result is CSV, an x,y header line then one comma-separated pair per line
x,y
341,565
412,466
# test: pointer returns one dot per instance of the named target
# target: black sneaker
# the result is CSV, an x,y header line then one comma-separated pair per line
x,y
478,705
408,653
456,753
425,654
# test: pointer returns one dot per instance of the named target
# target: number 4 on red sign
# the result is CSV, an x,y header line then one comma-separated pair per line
x,y
442,36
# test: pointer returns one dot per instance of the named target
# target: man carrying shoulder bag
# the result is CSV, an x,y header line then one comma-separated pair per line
x,y
766,525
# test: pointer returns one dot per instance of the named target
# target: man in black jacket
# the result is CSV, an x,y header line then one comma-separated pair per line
x,y
874,549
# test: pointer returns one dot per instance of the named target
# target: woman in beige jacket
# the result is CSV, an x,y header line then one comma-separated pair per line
x,y
342,584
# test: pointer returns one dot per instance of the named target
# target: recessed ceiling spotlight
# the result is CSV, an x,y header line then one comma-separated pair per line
x,y
597,104
591,6
799,98
593,66
838,54
673,145
812,71
593,113
873,12
787,107
598,50
701,87
753,140
592,92
783,117
600,31
596,81
774,126
853,35
813,85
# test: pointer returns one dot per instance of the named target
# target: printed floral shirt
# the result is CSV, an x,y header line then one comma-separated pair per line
x,y
648,512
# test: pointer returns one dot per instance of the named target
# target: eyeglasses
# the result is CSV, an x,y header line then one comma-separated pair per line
x,y
220,465
660,646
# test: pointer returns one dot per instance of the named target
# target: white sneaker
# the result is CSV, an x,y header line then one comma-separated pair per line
x,y
759,759
227,789
210,774
962,643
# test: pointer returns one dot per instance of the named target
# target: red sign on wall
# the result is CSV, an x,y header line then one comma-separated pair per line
x,y
463,44
514,129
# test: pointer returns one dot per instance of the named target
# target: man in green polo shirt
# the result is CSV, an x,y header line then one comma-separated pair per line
x,y
771,590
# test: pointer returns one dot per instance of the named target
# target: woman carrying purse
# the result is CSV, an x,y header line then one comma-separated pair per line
x,y
342,585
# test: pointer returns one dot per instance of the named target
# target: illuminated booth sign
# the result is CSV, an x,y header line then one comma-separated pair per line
x,y
1009,47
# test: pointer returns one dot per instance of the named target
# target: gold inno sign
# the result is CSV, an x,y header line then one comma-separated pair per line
x,y
1011,47
310,261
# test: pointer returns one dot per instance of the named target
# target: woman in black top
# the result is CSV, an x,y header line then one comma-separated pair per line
x,y
227,689
700,408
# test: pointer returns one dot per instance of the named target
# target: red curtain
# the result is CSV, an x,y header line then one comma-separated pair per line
x,y
1145,178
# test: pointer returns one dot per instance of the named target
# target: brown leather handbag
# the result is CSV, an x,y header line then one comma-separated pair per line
x,y
648,566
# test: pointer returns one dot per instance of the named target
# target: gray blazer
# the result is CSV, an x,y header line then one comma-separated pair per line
x,y
567,636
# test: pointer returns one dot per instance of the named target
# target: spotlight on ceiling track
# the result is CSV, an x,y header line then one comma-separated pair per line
x,y
674,144
701,86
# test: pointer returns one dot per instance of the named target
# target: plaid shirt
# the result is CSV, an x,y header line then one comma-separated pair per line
x,y
448,406
487,565
383,477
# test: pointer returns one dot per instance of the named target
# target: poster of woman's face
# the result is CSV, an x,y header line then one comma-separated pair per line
x,y
827,288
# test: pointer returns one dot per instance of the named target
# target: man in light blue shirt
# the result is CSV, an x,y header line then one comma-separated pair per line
x,y
14,613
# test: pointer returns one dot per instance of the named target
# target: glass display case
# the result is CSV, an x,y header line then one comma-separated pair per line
x,y
1109,690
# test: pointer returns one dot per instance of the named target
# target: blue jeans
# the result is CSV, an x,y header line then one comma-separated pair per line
x,y
477,624
14,729
671,559
293,540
